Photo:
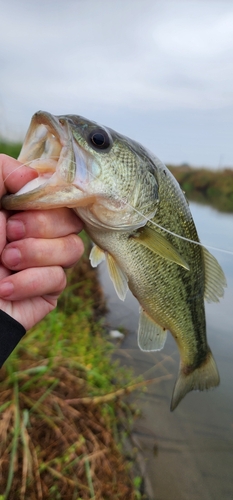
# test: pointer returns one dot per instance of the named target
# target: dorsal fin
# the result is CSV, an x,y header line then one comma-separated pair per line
x,y
151,336
215,280
157,243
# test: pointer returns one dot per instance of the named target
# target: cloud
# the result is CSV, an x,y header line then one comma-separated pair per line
x,y
104,57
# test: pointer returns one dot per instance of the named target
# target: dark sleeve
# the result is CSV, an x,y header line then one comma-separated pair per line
x,y
11,333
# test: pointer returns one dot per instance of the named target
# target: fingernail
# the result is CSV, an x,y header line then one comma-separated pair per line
x,y
11,257
6,289
15,229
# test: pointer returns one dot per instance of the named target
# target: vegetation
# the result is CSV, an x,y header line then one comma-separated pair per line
x,y
62,417
200,184
206,186
10,148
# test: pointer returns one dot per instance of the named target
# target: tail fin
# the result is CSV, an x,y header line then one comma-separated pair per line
x,y
202,378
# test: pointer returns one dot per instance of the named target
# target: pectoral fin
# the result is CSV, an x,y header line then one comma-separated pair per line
x,y
151,336
118,277
159,244
97,255
215,280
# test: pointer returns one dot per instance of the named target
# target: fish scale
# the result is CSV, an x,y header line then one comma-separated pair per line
x,y
130,204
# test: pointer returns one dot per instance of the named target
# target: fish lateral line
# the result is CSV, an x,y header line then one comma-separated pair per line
x,y
147,219
69,151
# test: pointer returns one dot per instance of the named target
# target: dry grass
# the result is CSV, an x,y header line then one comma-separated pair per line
x,y
57,441
51,449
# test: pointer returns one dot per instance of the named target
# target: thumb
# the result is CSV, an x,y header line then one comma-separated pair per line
x,y
14,175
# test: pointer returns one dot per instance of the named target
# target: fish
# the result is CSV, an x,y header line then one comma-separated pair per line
x,y
140,222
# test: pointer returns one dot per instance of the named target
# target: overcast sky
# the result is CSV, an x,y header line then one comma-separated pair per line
x,y
158,71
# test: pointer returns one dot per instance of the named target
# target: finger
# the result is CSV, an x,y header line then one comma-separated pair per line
x,y
33,252
43,224
2,230
3,273
13,174
34,282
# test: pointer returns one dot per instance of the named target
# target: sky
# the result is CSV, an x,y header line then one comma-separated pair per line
x,y
158,71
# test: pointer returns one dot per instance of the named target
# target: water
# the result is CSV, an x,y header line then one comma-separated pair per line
x,y
188,454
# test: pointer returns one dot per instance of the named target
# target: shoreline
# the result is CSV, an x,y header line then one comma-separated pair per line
x,y
201,184
68,422
206,186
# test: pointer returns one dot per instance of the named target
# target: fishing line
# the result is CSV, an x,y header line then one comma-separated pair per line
x,y
15,170
229,252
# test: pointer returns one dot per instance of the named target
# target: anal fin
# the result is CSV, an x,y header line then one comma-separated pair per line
x,y
151,336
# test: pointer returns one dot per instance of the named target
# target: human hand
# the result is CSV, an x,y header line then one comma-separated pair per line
x,y
41,244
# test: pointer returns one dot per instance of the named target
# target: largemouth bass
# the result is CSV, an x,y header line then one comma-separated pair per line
x,y
140,222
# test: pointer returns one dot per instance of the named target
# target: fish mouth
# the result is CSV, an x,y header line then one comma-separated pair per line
x,y
48,148
69,175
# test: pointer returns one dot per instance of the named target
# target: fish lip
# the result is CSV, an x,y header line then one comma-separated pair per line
x,y
37,151
55,124
34,140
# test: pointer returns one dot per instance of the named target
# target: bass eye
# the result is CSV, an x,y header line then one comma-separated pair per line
x,y
99,139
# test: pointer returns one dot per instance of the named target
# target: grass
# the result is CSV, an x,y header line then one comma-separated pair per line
x,y
206,186
11,149
62,416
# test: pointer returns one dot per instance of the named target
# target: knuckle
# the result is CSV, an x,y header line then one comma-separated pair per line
x,y
61,278
73,247
41,222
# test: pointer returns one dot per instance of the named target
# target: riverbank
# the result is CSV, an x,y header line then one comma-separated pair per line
x,y
62,410
206,186
199,432
212,187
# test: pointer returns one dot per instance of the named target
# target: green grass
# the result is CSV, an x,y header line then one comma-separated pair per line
x,y
206,186
56,433
10,148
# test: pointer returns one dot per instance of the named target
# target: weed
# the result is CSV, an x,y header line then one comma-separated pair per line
x,y
54,444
